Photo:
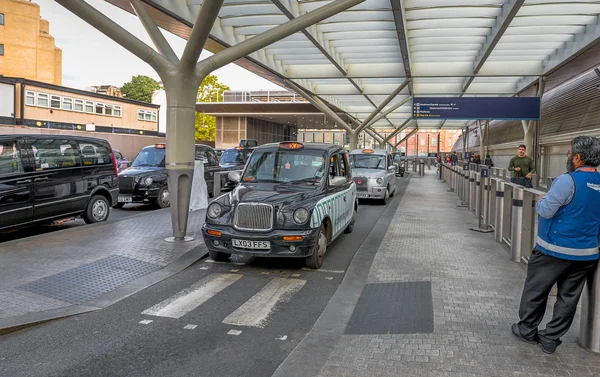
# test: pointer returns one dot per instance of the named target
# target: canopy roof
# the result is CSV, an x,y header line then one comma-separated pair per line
x,y
355,59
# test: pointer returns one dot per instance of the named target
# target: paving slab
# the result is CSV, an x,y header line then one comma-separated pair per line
x,y
86,268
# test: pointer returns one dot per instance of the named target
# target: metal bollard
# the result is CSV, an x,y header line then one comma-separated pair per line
x,y
589,325
517,225
421,167
414,163
466,186
498,220
471,198
477,204
507,210
485,202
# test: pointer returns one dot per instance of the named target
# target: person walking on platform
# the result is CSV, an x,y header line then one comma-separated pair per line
x,y
566,250
522,167
454,158
488,161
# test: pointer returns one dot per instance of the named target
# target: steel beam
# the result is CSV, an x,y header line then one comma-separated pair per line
x,y
403,126
382,105
399,20
204,22
389,111
414,131
158,38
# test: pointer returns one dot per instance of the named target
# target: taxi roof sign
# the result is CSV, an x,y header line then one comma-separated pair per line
x,y
367,151
291,145
160,146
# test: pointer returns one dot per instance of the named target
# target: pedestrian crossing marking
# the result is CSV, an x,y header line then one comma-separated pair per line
x,y
256,311
234,332
190,298
146,322
190,327
322,270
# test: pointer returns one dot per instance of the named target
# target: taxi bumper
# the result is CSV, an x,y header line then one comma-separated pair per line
x,y
376,192
278,247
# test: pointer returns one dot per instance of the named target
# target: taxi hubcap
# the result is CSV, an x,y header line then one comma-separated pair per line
x,y
164,198
321,245
99,210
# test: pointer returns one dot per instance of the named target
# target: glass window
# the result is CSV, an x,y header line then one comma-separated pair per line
x,y
94,153
67,103
367,161
1,18
42,100
99,108
234,156
1,49
30,98
117,111
79,105
140,114
108,110
433,141
147,115
55,102
54,154
150,157
205,155
10,158
89,107
294,166
154,116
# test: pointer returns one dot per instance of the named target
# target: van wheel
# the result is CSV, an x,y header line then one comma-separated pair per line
x,y
217,256
119,205
97,210
350,227
315,261
162,200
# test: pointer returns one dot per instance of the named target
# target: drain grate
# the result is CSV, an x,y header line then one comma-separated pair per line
x,y
84,283
393,308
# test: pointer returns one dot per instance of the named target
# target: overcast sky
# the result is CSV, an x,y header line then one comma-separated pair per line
x,y
90,58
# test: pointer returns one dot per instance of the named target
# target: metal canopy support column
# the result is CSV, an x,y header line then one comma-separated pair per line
x,y
183,77
382,105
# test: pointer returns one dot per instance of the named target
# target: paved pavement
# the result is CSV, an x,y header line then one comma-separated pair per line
x,y
461,285
86,268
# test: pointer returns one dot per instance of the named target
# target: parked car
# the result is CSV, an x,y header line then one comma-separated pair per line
x,y
49,177
292,201
398,161
219,152
146,180
122,161
233,159
374,173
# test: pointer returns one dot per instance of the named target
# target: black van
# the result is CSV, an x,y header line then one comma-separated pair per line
x,y
49,177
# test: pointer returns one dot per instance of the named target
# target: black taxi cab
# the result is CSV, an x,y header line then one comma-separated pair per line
x,y
145,181
293,199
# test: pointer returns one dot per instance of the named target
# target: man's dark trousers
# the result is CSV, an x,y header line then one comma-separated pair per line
x,y
542,272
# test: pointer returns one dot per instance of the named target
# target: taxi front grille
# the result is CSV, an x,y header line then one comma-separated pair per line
x,y
253,216
126,185
362,183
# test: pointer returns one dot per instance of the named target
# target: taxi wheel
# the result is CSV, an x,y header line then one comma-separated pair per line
x,y
315,261
393,193
119,205
386,197
162,200
97,210
217,256
350,227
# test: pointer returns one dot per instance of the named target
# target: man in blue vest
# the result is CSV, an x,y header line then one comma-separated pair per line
x,y
566,250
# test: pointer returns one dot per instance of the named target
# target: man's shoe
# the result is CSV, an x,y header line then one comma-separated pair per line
x,y
549,348
517,333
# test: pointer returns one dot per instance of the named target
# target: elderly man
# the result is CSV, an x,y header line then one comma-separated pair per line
x,y
566,250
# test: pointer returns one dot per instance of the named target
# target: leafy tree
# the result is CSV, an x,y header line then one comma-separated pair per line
x,y
211,90
140,88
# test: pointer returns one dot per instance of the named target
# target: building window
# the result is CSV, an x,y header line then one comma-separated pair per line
x,y
1,49
55,102
79,105
422,141
148,115
99,108
67,103
30,98
1,18
108,110
89,107
140,114
42,100
154,116
433,141
117,111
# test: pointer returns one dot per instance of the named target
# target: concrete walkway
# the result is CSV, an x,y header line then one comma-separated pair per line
x,y
87,268
463,320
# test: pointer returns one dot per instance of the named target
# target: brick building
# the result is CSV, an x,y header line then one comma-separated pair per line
x,y
26,47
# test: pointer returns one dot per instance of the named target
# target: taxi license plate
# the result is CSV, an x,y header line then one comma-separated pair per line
x,y
245,244
362,195
124,199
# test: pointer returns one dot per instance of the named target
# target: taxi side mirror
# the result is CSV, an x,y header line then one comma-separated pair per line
x,y
392,168
234,176
338,181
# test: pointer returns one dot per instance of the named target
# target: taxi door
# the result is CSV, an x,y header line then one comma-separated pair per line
x,y
341,197
391,172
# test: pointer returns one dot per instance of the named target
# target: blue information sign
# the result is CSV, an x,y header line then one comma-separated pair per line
x,y
465,166
484,108
485,173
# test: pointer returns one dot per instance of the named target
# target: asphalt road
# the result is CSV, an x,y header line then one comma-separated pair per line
x,y
240,318
115,215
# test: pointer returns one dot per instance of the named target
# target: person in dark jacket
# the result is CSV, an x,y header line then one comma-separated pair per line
x,y
566,250
488,161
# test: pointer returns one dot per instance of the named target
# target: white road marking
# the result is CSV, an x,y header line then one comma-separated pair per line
x,y
322,270
190,327
256,311
236,270
328,278
234,332
146,321
204,268
209,261
282,337
295,275
265,273
190,298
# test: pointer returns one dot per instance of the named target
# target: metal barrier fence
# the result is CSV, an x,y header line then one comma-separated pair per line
x,y
508,210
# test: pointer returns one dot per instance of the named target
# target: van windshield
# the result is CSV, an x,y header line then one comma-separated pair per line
x,y
152,157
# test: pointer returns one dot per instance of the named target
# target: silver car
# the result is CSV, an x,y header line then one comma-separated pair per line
x,y
374,173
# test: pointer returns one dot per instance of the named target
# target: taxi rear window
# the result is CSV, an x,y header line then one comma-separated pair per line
x,y
301,166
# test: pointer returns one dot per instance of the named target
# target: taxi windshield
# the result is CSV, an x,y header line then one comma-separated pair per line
x,y
301,167
234,156
151,157
367,161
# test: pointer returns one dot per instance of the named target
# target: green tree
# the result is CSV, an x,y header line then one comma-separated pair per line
x,y
140,88
211,90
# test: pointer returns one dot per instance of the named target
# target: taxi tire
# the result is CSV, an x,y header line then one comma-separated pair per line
x,y
96,201
315,261
159,202
350,227
385,199
217,256
119,205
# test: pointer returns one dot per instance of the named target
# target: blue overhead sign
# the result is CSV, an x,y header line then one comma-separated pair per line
x,y
484,108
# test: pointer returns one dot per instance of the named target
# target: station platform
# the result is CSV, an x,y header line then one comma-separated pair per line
x,y
87,268
435,299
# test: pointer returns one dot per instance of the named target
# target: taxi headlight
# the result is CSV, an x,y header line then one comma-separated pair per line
x,y
379,181
214,210
148,181
300,216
